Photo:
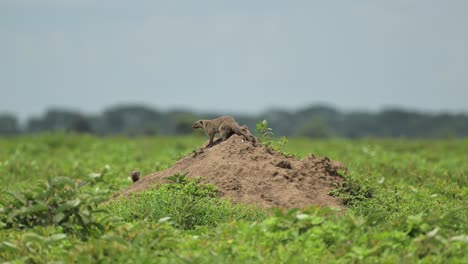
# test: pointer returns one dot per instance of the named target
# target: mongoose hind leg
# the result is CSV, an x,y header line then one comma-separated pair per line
x,y
217,141
225,132
224,135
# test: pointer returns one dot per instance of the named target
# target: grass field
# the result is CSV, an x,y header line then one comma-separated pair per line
x,y
407,202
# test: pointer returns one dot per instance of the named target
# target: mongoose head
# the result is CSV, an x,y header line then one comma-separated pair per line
x,y
246,130
135,175
198,124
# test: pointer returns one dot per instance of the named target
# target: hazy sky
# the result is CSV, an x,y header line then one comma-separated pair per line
x,y
242,56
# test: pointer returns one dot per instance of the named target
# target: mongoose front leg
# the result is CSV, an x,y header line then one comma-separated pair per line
x,y
211,141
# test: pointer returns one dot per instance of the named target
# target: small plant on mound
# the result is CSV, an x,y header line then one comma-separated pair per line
x,y
266,138
178,178
191,187
197,151
185,203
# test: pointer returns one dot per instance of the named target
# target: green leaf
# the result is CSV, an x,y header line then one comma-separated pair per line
x,y
9,245
34,209
63,181
84,218
55,238
415,219
164,219
69,205
33,237
95,175
317,220
19,197
433,232
116,239
303,216
106,169
58,218
463,238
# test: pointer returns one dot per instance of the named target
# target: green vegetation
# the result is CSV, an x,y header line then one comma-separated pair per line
x,y
185,204
266,138
314,121
407,202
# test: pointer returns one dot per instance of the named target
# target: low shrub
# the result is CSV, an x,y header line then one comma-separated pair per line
x,y
58,202
184,203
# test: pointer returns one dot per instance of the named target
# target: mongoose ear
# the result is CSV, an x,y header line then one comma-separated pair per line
x,y
201,122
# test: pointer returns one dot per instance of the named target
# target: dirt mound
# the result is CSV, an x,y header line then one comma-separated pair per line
x,y
250,174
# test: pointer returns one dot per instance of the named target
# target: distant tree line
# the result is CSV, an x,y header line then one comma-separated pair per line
x,y
317,121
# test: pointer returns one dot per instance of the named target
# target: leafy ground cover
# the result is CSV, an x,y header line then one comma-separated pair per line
x,y
407,202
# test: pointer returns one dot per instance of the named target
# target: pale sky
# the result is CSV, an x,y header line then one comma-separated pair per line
x,y
235,56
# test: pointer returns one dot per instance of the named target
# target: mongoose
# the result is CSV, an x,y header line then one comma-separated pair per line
x,y
226,126
135,175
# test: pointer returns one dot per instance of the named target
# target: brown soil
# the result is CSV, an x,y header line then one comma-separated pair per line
x,y
250,174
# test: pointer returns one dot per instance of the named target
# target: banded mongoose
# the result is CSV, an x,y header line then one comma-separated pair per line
x,y
226,126
135,176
